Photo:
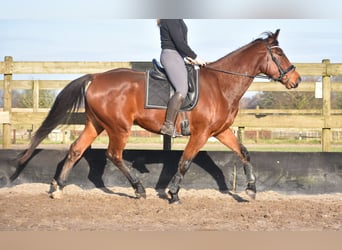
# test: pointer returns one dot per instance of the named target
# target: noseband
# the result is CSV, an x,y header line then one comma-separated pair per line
x,y
282,73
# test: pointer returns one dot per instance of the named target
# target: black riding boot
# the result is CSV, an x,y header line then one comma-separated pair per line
x,y
173,107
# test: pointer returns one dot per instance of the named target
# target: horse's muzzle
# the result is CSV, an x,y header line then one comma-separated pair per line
x,y
292,84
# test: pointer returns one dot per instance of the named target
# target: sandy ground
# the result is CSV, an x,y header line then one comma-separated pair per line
x,y
27,207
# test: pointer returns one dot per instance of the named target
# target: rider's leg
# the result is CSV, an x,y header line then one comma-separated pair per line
x,y
177,73
173,107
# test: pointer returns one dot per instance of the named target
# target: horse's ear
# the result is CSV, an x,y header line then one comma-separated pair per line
x,y
275,36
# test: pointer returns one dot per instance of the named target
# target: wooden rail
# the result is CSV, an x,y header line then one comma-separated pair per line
x,y
324,118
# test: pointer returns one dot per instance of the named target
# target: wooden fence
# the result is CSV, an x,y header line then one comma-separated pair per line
x,y
324,119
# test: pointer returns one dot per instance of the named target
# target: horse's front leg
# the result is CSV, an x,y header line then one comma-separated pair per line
x,y
228,138
249,172
192,148
176,180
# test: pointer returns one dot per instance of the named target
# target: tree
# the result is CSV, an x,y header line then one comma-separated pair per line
x,y
24,99
336,97
1,98
336,100
46,98
288,100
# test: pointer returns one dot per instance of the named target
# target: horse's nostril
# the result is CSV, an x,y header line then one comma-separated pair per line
x,y
299,80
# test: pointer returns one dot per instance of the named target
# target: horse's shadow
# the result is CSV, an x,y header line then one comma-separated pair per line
x,y
97,162
145,163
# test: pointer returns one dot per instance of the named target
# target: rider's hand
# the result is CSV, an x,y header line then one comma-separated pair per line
x,y
197,61
189,60
200,61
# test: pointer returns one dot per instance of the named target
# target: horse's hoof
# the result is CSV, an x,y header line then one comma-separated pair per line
x,y
4,180
140,195
174,199
56,195
251,193
55,190
251,190
139,190
174,202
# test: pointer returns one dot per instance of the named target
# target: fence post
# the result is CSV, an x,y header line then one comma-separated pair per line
x,y
326,109
35,95
167,143
241,134
8,69
35,99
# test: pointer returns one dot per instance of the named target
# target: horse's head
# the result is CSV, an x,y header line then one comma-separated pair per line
x,y
277,65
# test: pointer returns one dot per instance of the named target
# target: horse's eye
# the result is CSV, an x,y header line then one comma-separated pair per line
x,y
279,52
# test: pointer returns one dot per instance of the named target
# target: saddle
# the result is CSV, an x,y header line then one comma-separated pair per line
x,y
159,90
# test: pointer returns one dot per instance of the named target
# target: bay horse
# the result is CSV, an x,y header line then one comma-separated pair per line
x,y
114,101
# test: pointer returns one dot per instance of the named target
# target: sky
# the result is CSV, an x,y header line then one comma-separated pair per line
x,y
113,30
303,40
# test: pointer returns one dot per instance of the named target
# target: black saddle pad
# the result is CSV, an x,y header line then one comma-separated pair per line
x,y
159,90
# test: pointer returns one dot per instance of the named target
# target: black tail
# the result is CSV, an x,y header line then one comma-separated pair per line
x,y
67,101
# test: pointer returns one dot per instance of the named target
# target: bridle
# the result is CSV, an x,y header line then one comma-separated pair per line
x,y
282,72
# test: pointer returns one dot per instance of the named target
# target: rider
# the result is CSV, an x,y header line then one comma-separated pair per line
x,y
174,44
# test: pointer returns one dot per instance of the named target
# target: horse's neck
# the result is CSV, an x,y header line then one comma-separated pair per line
x,y
246,61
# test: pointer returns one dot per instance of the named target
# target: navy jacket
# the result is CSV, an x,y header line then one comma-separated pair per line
x,y
174,35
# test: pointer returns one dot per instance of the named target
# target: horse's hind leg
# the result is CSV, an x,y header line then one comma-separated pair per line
x,y
75,153
229,139
116,145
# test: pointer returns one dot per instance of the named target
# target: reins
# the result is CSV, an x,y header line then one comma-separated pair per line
x,y
236,73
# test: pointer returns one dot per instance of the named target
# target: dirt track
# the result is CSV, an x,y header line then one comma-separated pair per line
x,y
28,207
